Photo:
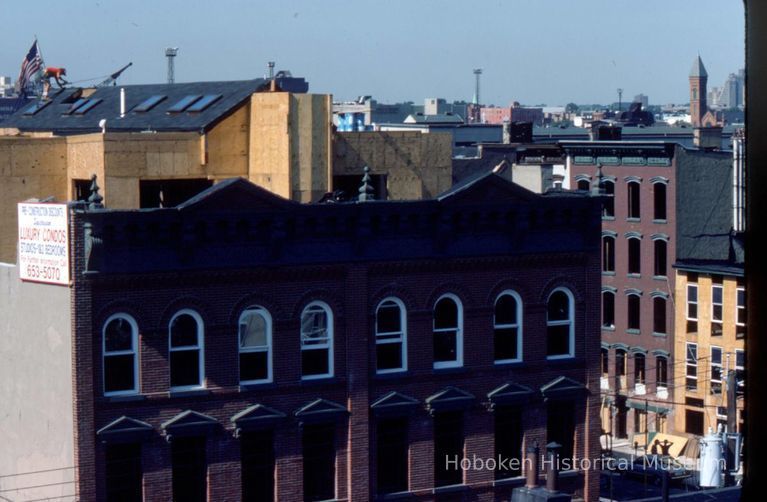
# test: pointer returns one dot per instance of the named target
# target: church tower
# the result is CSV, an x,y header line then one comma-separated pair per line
x,y
698,80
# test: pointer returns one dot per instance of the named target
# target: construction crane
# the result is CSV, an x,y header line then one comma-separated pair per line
x,y
112,79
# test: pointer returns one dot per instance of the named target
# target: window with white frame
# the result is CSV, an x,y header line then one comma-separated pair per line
x,y
448,332
187,361
316,341
691,375
120,355
717,296
692,307
255,339
716,370
560,333
507,324
740,310
391,336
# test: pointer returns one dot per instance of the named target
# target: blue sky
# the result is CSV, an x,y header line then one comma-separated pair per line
x,y
532,51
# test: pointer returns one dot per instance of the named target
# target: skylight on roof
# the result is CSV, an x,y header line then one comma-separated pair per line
x,y
77,104
83,109
203,103
36,107
184,103
149,103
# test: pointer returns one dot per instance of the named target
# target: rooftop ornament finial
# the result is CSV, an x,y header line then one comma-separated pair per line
x,y
598,187
95,199
366,191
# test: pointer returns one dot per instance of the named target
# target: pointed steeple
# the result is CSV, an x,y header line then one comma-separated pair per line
x,y
698,70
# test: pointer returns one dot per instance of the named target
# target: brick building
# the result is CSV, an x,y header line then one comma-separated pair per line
x,y
256,347
639,239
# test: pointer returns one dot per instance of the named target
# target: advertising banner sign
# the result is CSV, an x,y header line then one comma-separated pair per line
x,y
43,243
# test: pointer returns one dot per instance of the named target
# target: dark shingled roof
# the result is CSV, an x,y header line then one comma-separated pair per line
x,y
54,117
705,239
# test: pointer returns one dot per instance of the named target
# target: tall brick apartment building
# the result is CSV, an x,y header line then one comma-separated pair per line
x,y
639,239
242,346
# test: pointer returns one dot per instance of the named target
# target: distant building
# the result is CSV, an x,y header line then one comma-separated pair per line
x,y
366,111
513,113
698,94
643,99
439,106
6,86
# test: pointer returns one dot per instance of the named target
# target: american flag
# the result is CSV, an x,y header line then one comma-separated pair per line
x,y
31,65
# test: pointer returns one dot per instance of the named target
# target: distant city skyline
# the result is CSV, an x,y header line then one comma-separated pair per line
x,y
534,52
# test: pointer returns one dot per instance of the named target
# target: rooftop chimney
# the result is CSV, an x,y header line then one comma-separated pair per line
x,y
707,138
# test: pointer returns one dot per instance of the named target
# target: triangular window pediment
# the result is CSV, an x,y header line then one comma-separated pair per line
x,y
449,399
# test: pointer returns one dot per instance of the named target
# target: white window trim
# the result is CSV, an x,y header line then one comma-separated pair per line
x,y
739,307
570,320
257,309
393,337
134,351
327,345
713,364
458,362
200,348
688,364
720,287
688,302
518,325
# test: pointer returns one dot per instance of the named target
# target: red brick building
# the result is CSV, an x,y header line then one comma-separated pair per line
x,y
639,239
245,347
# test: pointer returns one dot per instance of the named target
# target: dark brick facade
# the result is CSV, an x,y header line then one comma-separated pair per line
x,y
236,246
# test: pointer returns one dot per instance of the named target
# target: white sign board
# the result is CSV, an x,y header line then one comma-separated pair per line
x,y
43,243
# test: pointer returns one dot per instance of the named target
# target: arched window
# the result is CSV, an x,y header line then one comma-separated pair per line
x,y
659,315
391,336
608,309
633,199
448,332
620,362
639,368
661,247
608,253
635,255
661,371
584,184
560,334
316,341
507,325
255,341
187,361
120,355
608,210
659,196
634,317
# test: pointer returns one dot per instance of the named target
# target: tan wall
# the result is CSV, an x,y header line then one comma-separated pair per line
x,y
727,341
228,145
290,144
417,165
30,168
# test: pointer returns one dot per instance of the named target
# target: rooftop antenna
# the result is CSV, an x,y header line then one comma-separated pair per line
x,y
171,53
270,65
477,73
